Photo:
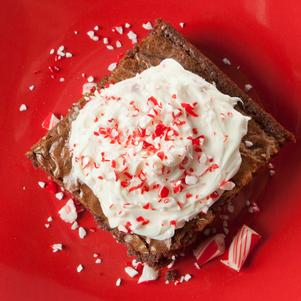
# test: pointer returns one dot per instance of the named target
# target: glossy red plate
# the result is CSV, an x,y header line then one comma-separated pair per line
x,y
262,37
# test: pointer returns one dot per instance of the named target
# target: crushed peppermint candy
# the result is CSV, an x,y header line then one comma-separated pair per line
x,y
182,24
248,87
42,184
110,47
187,277
105,40
191,180
91,34
96,27
147,26
23,107
127,25
68,212
118,44
61,79
119,29
132,36
249,143
88,88
59,195
74,226
57,247
112,67
49,219
31,88
52,51
47,225
148,274
98,261
79,268
82,232
131,271
118,282
226,61
90,79
95,255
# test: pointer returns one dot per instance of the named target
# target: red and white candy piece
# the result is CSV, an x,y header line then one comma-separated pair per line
x,y
148,274
50,122
68,212
242,244
210,248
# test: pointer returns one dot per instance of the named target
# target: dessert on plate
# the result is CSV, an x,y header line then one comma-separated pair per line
x,y
161,147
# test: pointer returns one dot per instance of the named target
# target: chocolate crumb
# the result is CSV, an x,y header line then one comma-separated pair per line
x,y
171,275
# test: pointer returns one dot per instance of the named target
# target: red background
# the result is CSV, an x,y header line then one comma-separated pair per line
x,y
263,37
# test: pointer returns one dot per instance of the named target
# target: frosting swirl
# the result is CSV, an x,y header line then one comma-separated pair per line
x,y
157,149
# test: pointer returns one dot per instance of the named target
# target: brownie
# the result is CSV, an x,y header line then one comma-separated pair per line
x,y
267,136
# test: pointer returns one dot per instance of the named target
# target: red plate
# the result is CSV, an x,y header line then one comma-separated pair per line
x,y
263,37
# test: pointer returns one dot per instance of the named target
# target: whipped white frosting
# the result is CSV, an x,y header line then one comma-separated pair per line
x,y
157,149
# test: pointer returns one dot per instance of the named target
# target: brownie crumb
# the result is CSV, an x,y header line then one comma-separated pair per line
x,y
171,275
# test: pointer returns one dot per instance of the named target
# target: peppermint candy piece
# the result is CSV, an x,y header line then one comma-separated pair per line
x,y
242,244
50,122
148,274
68,212
210,248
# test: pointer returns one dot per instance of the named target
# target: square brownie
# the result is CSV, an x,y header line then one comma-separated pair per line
x,y
267,136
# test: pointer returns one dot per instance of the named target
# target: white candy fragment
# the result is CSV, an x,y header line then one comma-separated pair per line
x,y
248,143
112,66
74,226
119,29
79,268
147,26
98,261
191,180
42,184
68,212
148,274
31,88
23,107
182,24
132,36
59,195
82,232
226,61
57,247
118,282
130,271
248,87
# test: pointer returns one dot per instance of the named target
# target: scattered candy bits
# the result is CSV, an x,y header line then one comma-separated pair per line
x,y
210,248
242,244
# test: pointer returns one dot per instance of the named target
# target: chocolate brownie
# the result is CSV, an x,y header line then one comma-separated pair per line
x,y
267,136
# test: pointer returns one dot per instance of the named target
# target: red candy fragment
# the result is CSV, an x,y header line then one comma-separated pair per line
x,y
242,244
189,109
142,220
210,248
164,192
50,122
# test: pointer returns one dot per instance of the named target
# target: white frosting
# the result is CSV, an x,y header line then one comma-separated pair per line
x,y
157,149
